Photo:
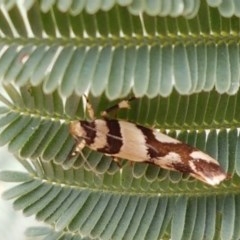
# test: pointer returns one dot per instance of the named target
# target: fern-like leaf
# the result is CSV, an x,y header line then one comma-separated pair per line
x,y
172,57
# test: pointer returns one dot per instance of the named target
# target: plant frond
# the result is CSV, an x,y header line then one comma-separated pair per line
x,y
116,80
205,110
104,52
188,9
36,125
163,8
100,206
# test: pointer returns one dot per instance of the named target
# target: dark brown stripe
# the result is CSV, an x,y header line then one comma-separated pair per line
x,y
114,138
150,139
90,129
161,149
208,168
181,167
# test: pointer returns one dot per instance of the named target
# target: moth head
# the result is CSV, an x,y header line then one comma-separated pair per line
x,y
76,130
206,169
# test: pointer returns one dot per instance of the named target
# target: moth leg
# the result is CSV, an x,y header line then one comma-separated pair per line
x,y
77,149
117,161
122,104
150,162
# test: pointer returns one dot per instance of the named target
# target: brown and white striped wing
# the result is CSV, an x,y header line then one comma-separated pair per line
x,y
140,144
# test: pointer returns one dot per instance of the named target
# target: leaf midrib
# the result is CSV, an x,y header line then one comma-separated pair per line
x,y
140,40
56,117
221,190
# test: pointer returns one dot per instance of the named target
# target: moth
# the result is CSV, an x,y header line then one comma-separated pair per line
x,y
136,143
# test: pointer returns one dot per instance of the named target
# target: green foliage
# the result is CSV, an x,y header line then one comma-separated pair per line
x,y
181,61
